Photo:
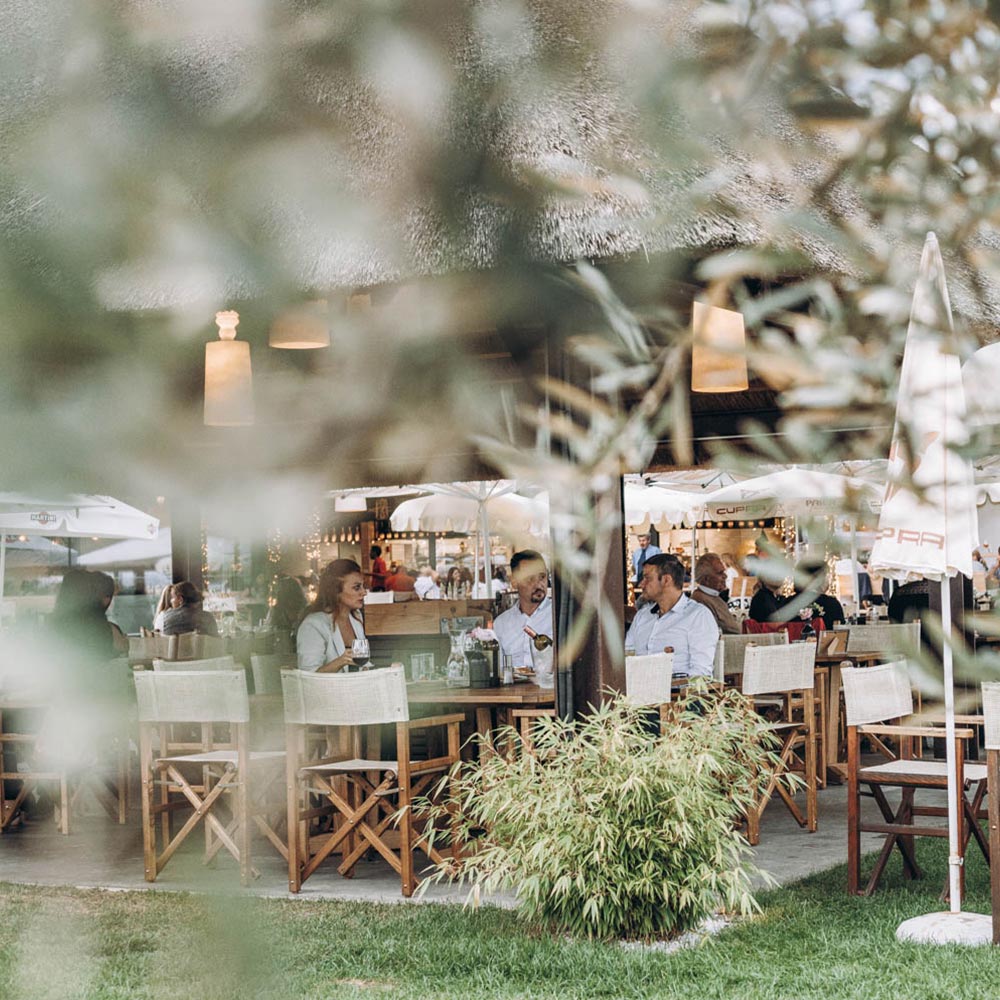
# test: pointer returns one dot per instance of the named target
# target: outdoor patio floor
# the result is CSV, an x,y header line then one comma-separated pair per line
x,y
101,854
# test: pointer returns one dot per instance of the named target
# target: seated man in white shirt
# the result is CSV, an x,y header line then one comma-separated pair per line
x,y
530,578
672,620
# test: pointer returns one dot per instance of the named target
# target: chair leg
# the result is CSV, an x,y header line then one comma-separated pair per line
x,y
292,797
993,807
812,802
63,804
853,815
148,822
243,828
406,840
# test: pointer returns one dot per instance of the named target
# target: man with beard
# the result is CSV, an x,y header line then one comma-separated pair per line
x,y
530,578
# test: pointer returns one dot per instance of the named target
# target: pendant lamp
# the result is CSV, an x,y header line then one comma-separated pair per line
x,y
228,379
718,357
301,328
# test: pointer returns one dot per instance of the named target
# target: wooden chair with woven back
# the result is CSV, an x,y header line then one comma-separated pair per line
x,y
873,697
729,658
991,743
211,663
648,683
67,747
219,779
369,799
785,673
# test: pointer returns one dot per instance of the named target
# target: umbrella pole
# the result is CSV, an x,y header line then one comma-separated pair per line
x,y
3,571
954,860
694,546
855,576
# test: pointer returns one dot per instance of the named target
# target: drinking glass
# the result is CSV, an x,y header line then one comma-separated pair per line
x,y
421,666
507,676
362,651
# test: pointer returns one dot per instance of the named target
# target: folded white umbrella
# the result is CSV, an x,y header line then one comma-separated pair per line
x,y
928,526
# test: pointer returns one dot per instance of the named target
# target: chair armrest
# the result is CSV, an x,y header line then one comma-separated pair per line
x,y
932,731
936,719
433,720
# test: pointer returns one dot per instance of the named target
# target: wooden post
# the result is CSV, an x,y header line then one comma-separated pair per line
x,y
853,812
600,663
185,542
993,804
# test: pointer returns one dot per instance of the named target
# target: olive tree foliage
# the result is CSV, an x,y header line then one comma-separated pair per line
x,y
162,160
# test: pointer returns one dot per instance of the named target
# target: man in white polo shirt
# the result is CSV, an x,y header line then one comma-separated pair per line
x,y
672,619
530,578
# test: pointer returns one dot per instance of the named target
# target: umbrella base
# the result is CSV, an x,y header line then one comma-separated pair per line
x,y
970,929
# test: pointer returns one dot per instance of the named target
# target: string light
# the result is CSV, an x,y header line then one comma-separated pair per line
x,y
274,546
788,532
204,554
314,539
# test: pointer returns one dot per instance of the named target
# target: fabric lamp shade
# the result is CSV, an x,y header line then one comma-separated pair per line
x,y
228,377
301,328
718,357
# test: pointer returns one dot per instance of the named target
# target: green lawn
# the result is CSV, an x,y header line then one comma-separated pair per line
x,y
811,941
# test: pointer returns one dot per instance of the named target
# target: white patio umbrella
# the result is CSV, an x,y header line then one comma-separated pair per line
x,y
796,492
927,528
792,492
75,515
479,506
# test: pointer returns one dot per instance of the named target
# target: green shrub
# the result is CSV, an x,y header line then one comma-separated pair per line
x,y
607,831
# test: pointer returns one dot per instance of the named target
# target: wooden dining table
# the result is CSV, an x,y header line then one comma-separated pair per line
x,y
485,701
267,720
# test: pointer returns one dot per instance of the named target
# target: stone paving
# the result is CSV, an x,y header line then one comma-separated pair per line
x,y
100,854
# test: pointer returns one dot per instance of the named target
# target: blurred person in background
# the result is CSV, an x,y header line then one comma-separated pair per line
x,y
379,572
710,577
163,605
645,550
767,602
333,621
426,585
107,588
813,591
400,581
285,613
732,570
78,619
186,613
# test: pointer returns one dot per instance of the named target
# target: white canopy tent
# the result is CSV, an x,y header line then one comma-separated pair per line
x,y
75,515
657,506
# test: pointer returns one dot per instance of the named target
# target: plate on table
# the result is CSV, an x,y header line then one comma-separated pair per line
x,y
523,674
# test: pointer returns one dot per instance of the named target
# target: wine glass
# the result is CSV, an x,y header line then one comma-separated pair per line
x,y
361,650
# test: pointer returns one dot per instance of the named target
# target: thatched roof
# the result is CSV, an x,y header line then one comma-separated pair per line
x,y
568,148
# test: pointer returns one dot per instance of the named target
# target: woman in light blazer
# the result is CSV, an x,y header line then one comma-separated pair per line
x,y
333,621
